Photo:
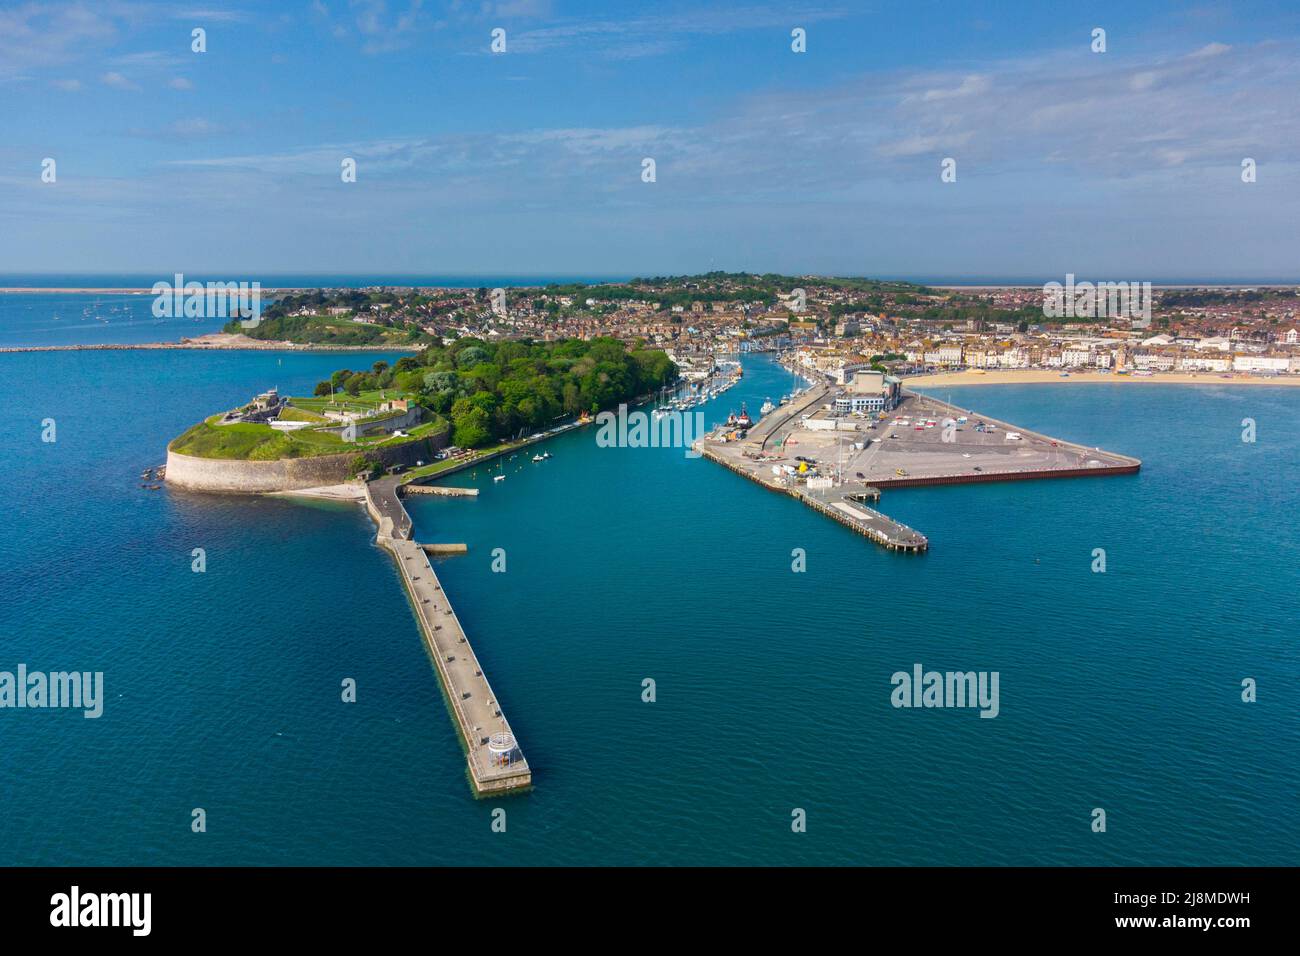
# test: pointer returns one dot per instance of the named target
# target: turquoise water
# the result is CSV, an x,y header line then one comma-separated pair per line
x,y
1118,690
75,318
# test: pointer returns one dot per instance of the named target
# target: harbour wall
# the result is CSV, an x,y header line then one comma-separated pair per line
x,y
912,482
470,698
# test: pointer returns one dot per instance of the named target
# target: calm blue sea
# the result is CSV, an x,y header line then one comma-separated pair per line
x,y
1118,690
75,318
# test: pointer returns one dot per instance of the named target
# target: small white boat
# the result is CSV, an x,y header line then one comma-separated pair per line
x,y
499,478
538,458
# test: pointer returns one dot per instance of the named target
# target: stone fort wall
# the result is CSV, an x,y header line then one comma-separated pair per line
x,y
286,474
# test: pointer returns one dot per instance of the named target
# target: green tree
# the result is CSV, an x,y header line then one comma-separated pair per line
x,y
366,466
471,429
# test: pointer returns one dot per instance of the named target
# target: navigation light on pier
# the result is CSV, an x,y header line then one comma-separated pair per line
x,y
502,749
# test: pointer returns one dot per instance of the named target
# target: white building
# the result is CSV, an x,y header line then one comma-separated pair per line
x,y
1217,343
1154,361
949,355
1261,363
1014,358
1204,363
1076,357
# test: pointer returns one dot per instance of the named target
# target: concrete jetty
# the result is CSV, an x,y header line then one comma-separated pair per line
x,y
445,548
844,504
495,761
446,491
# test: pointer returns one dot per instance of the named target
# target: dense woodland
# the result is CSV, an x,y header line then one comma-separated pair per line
x,y
494,391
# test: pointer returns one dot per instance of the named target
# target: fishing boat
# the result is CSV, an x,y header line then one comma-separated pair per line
x,y
767,407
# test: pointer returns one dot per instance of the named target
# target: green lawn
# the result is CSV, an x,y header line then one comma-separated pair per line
x,y
247,442
294,414
254,442
343,402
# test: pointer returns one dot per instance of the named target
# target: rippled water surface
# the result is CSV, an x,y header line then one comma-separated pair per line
x,y
1118,690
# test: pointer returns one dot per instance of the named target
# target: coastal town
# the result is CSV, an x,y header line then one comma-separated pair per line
x,y
897,327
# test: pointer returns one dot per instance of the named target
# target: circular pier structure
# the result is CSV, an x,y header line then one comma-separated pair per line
x,y
502,749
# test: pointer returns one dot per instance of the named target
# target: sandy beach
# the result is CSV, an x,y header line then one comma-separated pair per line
x,y
1046,376
348,491
215,341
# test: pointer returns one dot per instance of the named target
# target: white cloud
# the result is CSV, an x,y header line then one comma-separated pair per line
x,y
201,15
1039,117
117,81
969,86
33,35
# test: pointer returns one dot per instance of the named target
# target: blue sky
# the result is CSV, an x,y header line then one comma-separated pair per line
x,y
1122,165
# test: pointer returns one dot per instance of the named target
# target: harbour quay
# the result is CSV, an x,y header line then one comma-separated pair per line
x,y
835,448
845,505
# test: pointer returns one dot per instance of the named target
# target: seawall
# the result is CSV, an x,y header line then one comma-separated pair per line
x,y
969,479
